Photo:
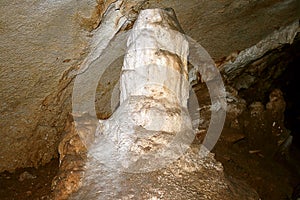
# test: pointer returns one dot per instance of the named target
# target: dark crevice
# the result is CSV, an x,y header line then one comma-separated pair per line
x,y
282,72
290,83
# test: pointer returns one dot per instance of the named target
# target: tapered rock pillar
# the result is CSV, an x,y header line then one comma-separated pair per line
x,y
156,61
155,68
152,120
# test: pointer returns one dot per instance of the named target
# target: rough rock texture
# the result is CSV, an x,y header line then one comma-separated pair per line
x,y
239,68
42,40
262,75
223,27
43,44
72,163
187,178
269,120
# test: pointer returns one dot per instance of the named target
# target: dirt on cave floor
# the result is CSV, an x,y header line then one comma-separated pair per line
x,y
244,155
273,177
28,183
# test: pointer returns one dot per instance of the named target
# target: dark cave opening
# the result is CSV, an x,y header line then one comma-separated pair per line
x,y
276,167
282,73
290,86
288,82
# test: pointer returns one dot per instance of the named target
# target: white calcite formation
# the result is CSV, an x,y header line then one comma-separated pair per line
x,y
155,69
150,133
151,127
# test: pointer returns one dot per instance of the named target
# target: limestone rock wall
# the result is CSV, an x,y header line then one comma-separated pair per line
x,y
40,42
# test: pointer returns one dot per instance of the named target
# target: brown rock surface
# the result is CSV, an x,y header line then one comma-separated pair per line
x,y
40,42
72,163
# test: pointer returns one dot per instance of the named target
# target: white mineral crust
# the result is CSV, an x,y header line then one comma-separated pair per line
x,y
154,91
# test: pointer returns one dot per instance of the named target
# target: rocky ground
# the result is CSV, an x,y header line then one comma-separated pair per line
x,y
28,183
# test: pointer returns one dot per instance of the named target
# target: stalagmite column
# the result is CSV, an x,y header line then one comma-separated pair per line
x,y
144,150
152,118
155,69
156,59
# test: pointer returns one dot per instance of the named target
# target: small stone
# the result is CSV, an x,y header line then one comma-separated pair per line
x,y
25,176
235,124
256,109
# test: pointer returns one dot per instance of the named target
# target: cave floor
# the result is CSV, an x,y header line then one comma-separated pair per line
x,y
273,177
28,183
